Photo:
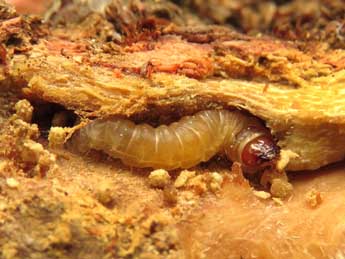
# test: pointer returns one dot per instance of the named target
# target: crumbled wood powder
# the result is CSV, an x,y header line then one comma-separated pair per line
x,y
12,183
262,194
159,178
33,152
269,175
198,183
281,188
183,178
20,138
9,250
313,198
216,181
57,136
285,157
24,110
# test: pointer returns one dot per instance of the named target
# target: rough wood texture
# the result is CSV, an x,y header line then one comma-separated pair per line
x,y
190,69
148,64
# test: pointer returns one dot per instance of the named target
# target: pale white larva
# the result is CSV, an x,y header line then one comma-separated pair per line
x,y
182,144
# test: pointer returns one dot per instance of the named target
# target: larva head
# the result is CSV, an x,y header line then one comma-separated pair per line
x,y
258,152
254,148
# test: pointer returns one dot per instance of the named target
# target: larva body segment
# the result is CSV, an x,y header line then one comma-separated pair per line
x,y
182,144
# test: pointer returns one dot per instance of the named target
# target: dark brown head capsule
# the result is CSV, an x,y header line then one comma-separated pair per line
x,y
254,148
259,152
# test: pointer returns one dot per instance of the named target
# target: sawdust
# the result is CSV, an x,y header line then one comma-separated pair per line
x,y
56,204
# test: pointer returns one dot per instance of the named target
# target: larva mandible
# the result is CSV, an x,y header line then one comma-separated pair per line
x,y
182,144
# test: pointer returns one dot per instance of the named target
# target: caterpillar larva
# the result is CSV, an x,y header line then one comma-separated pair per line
x,y
182,144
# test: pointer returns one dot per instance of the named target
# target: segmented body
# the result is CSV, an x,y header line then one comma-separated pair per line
x,y
182,144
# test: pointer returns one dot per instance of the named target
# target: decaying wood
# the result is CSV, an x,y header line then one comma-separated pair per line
x,y
150,61
167,67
